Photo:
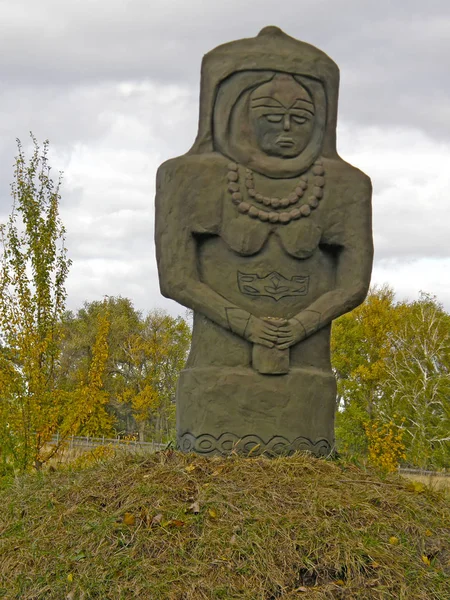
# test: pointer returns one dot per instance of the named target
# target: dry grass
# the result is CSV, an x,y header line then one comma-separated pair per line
x,y
176,527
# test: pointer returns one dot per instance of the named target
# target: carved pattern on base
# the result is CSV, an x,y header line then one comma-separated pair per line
x,y
251,444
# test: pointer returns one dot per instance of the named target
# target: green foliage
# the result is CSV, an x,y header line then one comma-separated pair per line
x,y
392,362
155,357
418,382
33,270
360,344
89,398
146,354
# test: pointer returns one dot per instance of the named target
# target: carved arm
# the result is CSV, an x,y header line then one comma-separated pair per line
x,y
354,267
176,254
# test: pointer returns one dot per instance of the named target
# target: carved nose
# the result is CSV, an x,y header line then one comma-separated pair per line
x,y
287,123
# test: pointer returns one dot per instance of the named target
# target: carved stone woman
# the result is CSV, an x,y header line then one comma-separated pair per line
x,y
265,232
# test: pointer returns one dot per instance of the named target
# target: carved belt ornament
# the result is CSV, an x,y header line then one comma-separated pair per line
x,y
274,285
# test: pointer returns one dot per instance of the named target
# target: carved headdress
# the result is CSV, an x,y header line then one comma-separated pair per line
x,y
229,75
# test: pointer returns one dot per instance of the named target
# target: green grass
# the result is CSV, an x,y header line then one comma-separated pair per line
x,y
285,528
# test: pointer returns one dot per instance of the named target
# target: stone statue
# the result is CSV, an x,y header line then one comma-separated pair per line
x,y
265,233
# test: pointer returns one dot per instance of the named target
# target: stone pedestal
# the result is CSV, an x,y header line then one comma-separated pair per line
x,y
224,409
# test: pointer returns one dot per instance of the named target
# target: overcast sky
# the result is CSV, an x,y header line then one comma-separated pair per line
x,y
113,84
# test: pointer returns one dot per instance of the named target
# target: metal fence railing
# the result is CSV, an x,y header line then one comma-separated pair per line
x,y
93,442
424,472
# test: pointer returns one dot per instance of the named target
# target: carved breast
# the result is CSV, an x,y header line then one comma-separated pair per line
x,y
248,236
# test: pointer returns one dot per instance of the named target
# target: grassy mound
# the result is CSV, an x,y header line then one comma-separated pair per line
x,y
176,527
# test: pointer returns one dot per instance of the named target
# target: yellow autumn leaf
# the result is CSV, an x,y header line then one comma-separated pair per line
x,y
393,540
417,487
70,577
217,472
212,513
190,468
428,533
426,560
129,519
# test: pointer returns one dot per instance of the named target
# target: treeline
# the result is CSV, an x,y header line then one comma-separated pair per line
x,y
108,369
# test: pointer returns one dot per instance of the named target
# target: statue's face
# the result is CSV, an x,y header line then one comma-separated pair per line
x,y
282,116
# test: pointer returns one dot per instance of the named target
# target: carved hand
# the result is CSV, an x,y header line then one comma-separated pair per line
x,y
262,331
288,332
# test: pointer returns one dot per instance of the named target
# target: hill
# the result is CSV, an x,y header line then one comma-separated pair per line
x,y
180,527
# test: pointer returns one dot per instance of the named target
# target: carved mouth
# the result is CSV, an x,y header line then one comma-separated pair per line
x,y
285,142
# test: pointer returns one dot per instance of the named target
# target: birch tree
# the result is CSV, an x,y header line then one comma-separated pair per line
x,y
417,385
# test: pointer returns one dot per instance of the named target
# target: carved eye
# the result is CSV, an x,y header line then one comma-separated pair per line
x,y
274,118
299,119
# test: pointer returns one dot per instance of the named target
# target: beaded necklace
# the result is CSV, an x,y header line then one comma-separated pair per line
x,y
285,216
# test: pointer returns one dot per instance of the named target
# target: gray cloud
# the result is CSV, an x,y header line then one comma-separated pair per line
x,y
394,56
114,86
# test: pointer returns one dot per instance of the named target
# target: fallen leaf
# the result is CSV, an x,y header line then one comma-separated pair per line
x,y
70,577
177,523
194,508
339,582
173,523
375,565
428,533
190,468
426,560
416,487
212,513
301,589
393,540
129,519
217,472
157,519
